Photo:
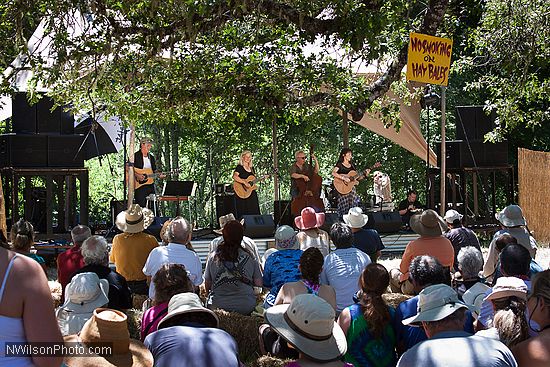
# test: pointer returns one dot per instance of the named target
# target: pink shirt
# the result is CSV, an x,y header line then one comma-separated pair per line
x,y
152,316
438,247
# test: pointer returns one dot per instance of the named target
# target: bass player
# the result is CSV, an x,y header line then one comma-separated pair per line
x,y
302,190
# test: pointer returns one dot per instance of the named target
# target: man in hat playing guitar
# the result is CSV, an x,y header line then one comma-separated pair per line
x,y
144,160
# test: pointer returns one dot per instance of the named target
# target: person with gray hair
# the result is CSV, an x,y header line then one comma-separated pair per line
x,y
175,252
470,263
71,260
343,267
95,254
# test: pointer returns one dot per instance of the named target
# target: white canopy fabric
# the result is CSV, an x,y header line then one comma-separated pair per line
x,y
409,136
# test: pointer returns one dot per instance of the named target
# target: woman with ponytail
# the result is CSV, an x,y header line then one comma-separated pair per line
x,y
22,239
232,273
368,324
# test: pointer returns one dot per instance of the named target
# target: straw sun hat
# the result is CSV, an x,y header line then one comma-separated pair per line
x,y
355,218
428,223
107,328
308,324
135,219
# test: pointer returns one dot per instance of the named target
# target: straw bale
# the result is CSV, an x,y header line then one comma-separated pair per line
x,y
269,361
534,189
244,329
134,322
56,291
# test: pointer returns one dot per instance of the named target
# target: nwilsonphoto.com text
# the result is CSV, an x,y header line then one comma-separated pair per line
x,y
13,349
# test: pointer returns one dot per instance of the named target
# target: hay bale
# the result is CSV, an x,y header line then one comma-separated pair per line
x,y
137,300
394,299
134,322
56,292
269,361
244,329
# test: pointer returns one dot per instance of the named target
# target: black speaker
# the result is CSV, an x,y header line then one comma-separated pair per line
x,y
472,123
258,226
385,222
36,208
475,154
282,214
52,121
63,151
117,206
23,150
225,204
330,219
23,115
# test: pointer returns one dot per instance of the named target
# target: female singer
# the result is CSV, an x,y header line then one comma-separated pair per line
x,y
342,168
241,174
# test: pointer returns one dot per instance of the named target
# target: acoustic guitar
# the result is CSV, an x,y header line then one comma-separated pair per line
x,y
245,190
344,187
149,176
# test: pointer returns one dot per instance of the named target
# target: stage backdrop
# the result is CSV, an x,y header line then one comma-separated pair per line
x,y
534,190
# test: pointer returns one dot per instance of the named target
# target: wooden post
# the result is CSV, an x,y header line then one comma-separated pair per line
x,y
3,225
345,129
131,179
443,154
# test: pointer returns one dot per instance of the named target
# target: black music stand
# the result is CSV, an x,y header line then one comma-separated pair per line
x,y
181,190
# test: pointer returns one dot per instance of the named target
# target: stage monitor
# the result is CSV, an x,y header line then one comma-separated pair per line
x,y
179,188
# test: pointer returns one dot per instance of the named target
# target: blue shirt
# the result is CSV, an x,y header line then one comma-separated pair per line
x,y
192,347
281,267
368,241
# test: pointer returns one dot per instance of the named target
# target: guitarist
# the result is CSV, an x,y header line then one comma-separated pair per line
x,y
144,159
342,168
241,174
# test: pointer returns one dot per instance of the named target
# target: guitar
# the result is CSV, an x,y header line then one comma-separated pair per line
x,y
149,176
245,190
344,187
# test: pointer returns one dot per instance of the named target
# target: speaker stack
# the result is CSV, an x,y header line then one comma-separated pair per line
x,y
470,150
42,136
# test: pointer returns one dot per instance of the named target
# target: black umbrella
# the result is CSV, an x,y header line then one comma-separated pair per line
x,y
101,137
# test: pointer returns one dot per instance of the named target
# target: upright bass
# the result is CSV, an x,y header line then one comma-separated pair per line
x,y
309,193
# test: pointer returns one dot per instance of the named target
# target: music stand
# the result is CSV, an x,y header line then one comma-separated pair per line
x,y
180,191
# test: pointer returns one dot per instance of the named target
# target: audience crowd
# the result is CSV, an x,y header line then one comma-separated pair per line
x,y
322,295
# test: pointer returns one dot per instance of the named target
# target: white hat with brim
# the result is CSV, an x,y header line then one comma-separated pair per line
x,y
85,293
108,328
511,216
355,218
508,287
185,303
435,303
428,223
307,323
135,219
452,215
285,238
474,296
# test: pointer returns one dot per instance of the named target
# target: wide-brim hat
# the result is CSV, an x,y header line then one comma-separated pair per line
x,y
308,324
452,215
435,302
135,219
474,297
355,218
511,216
308,219
107,328
285,238
223,220
184,303
85,293
508,287
428,223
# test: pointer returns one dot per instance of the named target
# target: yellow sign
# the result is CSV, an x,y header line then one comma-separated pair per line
x,y
429,59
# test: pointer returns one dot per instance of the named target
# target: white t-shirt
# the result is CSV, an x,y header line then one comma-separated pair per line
x,y
146,163
341,270
174,253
